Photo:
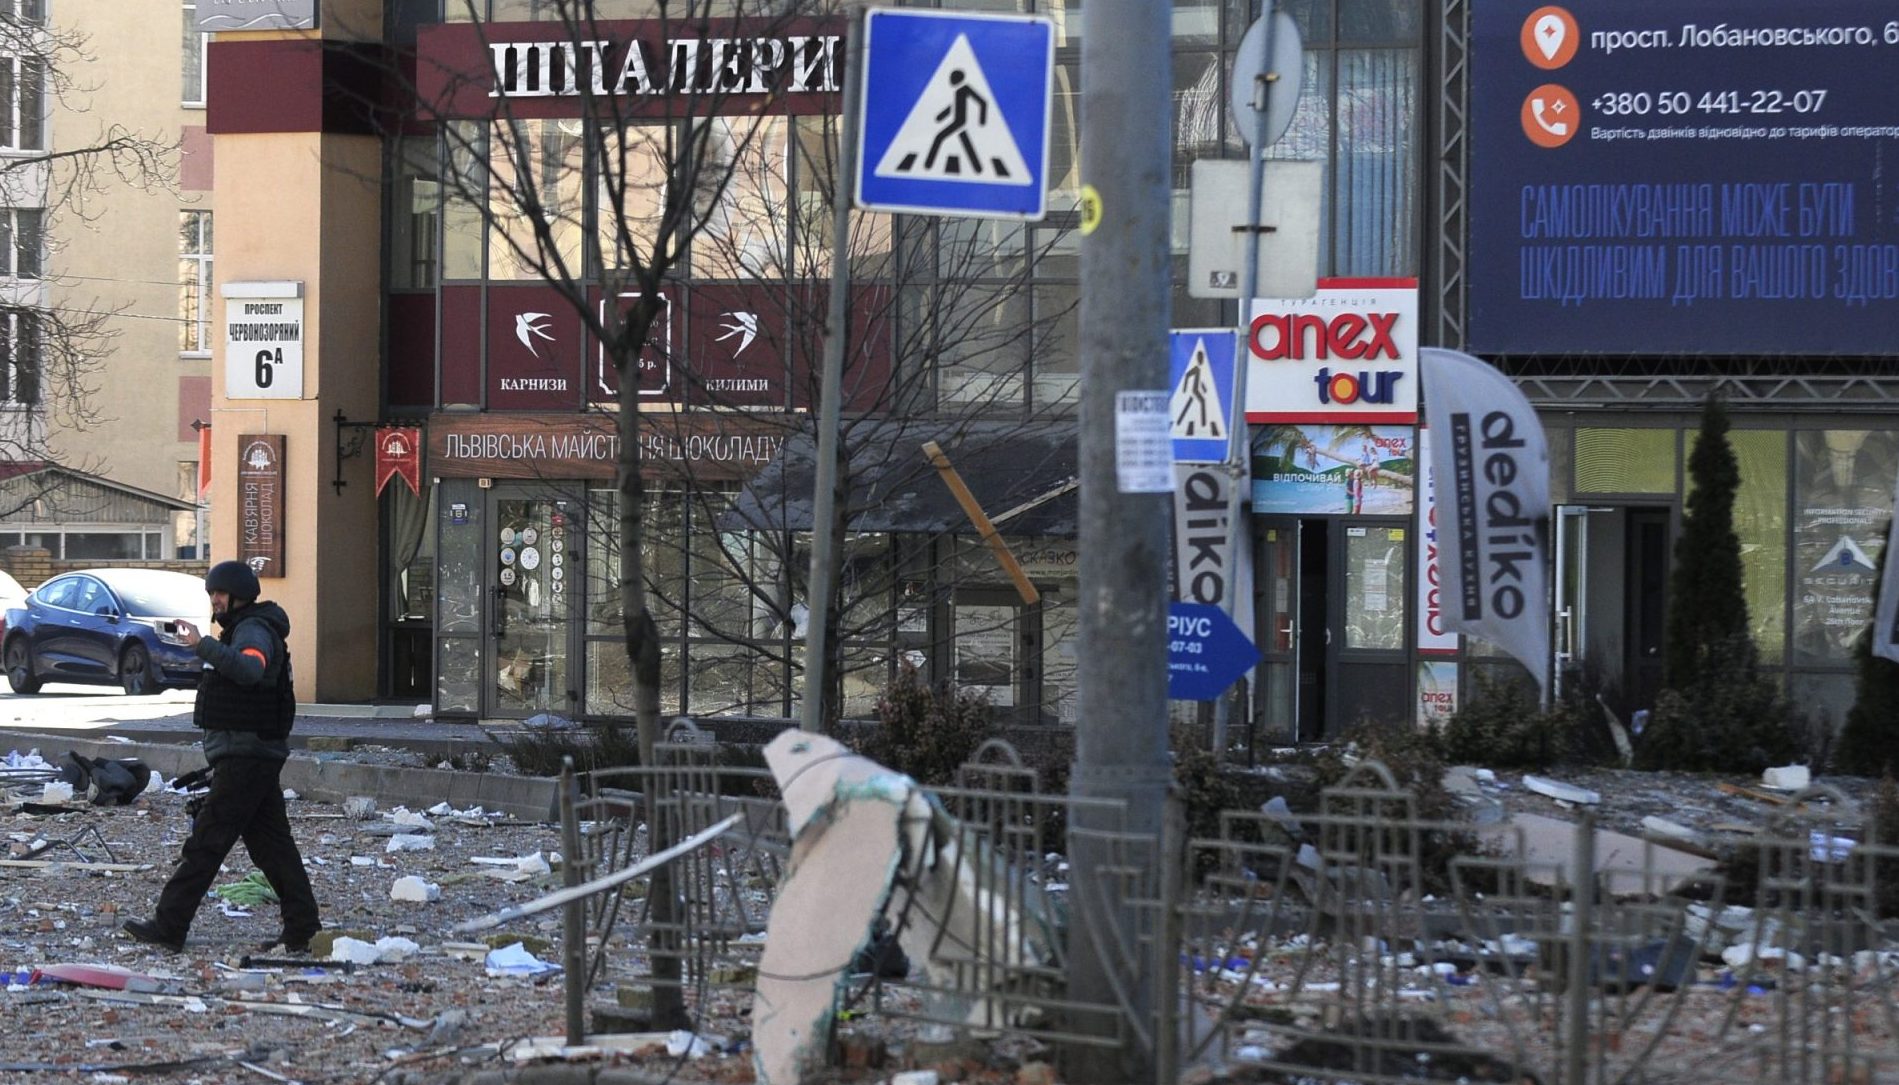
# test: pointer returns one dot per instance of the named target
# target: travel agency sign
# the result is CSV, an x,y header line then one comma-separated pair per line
x,y
1348,354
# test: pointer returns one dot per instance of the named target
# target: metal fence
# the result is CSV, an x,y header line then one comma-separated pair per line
x,y
1361,943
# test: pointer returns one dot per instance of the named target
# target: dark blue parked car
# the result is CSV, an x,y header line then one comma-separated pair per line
x,y
108,627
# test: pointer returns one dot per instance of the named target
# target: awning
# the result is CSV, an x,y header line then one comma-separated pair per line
x,y
1022,473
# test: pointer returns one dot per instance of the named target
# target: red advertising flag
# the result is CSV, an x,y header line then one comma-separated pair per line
x,y
204,460
399,455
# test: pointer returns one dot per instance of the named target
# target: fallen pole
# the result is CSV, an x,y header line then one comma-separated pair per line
x,y
600,884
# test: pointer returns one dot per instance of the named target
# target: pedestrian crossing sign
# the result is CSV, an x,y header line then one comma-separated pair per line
x,y
955,119
1201,405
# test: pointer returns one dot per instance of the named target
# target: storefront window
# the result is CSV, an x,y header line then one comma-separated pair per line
x,y
985,646
1375,593
984,335
1060,639
538,181
1064,143
458,676
1057,344
746,209
464,198
815,140
1374,177
406,517
1625,461
632,193
1843,484
1760,520
415,218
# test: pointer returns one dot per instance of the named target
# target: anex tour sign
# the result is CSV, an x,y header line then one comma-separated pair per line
x,y
1348,354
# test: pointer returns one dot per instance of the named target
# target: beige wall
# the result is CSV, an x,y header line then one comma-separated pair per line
x,y
118,249
306,207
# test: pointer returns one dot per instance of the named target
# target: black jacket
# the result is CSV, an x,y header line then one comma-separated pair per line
x,y
246,699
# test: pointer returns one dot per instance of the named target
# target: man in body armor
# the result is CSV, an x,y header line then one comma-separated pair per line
x,y
245,705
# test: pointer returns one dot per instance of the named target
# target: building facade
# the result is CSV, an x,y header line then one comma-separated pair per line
x,y
460,197
109,248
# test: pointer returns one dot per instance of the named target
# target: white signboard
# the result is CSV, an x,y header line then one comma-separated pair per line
x,y
1143,443
215,15
263,340
1347,355
1288,251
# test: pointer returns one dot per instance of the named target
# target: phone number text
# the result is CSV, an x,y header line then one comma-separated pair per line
x,y
1641,103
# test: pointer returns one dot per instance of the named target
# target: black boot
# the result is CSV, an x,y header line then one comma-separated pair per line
x,y
150,933
291,941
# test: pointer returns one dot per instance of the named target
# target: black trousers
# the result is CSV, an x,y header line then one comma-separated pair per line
x,y
246,803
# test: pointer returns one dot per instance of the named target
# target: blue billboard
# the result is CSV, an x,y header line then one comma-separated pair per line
x,y
1701,177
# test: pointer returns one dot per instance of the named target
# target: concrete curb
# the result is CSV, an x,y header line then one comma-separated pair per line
x,y
529,798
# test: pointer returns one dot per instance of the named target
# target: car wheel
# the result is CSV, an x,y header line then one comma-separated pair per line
x,y
135,671
20,667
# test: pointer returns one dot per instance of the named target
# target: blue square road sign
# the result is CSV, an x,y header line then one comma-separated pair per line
x,y
955,118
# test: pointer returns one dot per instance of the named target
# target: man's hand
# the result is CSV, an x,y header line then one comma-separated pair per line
x,y
189,633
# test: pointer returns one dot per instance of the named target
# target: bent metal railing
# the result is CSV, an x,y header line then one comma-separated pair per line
x,y
1361,943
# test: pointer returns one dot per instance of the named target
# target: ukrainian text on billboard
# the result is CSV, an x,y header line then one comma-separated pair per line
x,y
1704,177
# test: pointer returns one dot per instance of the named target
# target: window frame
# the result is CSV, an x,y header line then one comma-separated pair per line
x,y
202,76
19,368
22,127
202,258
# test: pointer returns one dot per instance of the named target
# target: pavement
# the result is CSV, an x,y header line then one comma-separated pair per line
x,y
157,729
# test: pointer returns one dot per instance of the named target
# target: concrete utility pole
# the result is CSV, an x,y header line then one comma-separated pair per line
x,y
1126,283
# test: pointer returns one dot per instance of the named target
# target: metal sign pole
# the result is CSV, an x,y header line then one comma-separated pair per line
x,y
1239,434
824,511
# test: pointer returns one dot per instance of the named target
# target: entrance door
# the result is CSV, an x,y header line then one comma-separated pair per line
x,y
532,579
1647,605
1611,596
1276,629
1370,591
1290,628
1330,624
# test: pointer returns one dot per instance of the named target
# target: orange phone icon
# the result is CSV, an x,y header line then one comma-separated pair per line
x,y
1551,116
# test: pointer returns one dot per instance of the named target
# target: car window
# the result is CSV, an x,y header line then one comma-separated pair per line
x,y
57,593
88,596
156,594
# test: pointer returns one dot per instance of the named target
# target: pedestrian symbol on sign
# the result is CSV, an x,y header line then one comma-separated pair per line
x,y
1200,407
1196,404
953,132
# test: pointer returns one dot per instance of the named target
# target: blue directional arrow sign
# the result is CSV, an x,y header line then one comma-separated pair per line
x,y
1200,408
1206,652
956,114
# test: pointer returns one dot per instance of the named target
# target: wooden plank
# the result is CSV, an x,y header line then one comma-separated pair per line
x,y
1749,793
42,863
972,509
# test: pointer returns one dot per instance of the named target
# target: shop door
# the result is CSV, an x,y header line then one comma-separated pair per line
x,y
1574,614
1646,608
531,581
994,641
1611,598
1366,629
1276,632
1330,624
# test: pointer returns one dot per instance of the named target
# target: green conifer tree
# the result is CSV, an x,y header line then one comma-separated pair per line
x,y
1717,712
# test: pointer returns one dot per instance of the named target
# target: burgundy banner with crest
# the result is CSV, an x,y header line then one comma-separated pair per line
x,y
399,455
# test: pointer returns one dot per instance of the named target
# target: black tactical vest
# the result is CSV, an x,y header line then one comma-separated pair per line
x,y
224,705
